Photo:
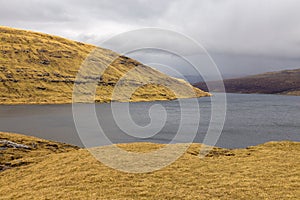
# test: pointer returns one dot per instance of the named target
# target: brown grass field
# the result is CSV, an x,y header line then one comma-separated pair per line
x,y
59,171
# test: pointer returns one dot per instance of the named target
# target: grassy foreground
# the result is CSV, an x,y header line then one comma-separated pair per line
x,y
267,171
37,68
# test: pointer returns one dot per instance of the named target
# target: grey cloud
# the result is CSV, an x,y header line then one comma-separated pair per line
x,y
136,11
239,33
249,26
32,11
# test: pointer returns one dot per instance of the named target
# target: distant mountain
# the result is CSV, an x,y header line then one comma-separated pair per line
x,y
281,82
41,68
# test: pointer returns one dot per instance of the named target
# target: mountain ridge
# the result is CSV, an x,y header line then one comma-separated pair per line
x,y
286,82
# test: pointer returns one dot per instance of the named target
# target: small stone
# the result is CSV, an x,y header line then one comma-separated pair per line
x,y
45,62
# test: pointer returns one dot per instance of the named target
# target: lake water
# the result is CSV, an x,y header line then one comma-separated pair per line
x,y
251,119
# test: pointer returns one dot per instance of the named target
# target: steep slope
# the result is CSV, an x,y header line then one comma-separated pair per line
x,y
40,68
268,171
282,82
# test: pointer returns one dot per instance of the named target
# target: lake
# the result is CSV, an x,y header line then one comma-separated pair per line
x,y
251,119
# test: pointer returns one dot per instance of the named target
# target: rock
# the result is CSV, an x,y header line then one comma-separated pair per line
x,y
9,75
3,167
45,62
8,143
43,50
41,88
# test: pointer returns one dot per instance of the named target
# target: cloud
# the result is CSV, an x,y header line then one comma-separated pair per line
x,y
18,11
231,28
250,26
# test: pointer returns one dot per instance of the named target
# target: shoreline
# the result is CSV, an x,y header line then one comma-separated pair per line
x,y
23,135
134,101
97,102
128,143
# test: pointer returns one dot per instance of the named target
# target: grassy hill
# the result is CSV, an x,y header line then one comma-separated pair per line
x,y
41,68
58,171
281,82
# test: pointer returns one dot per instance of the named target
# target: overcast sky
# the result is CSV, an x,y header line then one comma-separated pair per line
x,y
243,36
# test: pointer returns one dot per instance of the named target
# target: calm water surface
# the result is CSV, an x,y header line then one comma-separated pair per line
x,y
251,119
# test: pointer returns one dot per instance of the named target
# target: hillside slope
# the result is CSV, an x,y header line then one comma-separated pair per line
x,y
40,68
281,82
267,171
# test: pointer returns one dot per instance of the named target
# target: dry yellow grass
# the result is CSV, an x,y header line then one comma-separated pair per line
x,y
40,68
294,93
39,148
268,171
